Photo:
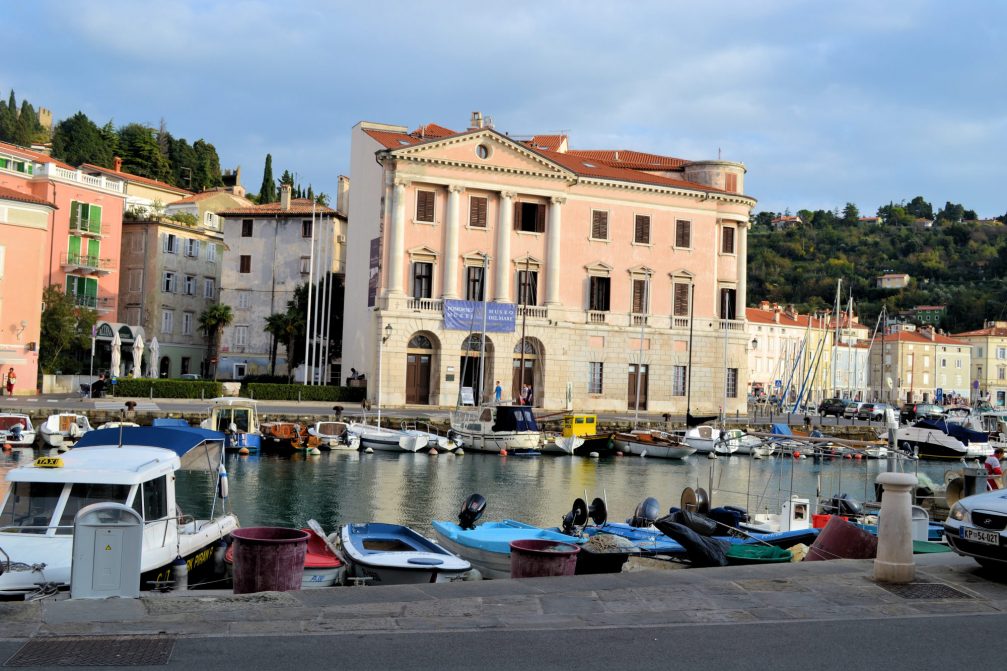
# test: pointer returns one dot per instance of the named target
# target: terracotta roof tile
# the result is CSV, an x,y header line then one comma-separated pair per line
x,y
130,177
36,156
431,131
760,316
391,140
11,194
627,158
994,331
917,337
298,207
547,142
203,195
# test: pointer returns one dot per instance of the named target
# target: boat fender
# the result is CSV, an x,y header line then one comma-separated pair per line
x,y
594,455
459,451
219,551
244,452
180,574
503,453
222,473
368,450
7,447
433,452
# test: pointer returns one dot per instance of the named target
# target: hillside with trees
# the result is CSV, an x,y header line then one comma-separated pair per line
x,y
952,258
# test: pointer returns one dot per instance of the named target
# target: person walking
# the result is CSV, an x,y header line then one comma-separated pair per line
x,y
994,468
10,380
498,392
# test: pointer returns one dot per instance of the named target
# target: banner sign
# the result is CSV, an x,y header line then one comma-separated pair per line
x,y
374,272
468,316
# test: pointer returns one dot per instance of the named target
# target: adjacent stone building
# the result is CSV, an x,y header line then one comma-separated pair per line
x,y
988,374
916,363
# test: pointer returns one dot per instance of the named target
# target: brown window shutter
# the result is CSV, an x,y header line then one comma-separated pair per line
x,y
517,216
681,300
731,182
540,219
477,213
682,234
641,233
728,246
599,225
638,291
424,206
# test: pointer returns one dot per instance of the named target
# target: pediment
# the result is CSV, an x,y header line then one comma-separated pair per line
x,y
598,268
483,149
682,273
641,270
422,253
528,260
473,258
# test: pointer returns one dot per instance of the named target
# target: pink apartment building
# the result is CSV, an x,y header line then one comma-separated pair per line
x,y
590,264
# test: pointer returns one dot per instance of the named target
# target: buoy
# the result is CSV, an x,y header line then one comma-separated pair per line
x,y
180,574
804,456
314,452
711,455
593,455
797,455
847,456
433,452
503,453
244,452
368,450
459,451
858,456
222,473
7,447
618,454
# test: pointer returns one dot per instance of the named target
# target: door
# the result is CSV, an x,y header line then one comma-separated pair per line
x,y
518,380
418,379
634,385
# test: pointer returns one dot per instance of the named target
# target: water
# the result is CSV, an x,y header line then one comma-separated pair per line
x,y
413,489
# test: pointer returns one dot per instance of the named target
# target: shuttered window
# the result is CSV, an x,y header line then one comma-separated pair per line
x,y
425,206
600,291
727,246
527,287
683,234
678,380
639,296
641,230
599,225
477,212
731,183
681,307
529,217
245,263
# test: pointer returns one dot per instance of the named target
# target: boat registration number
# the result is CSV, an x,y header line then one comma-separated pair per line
x,y
980,536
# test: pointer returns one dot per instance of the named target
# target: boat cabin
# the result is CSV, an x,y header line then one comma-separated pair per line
x,y
237,418
580,425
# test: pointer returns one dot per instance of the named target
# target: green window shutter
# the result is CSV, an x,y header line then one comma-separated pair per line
x,y
94,218
93,251
90,287
73,251
74,214
71,284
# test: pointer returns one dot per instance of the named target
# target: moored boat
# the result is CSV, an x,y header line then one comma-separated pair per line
x,y
496,428
63,429
322,566
393,554
941,439
16,430
281,435
653,444
378,438
329,435
237,419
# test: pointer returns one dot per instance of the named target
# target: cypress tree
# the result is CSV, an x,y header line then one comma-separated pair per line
x,y
267,192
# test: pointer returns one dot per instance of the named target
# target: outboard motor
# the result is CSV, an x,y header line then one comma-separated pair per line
x,y
15,432
645,514
576,518
472,509
843,504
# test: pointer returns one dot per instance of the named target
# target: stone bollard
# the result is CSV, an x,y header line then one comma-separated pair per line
x,y
895,529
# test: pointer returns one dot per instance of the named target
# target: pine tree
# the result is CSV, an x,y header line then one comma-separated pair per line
x,y
267,192
140,153
78,140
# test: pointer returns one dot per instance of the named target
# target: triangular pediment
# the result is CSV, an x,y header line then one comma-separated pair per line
x,y
682,273
483,149
422,253
599,268
473,258
528,260
641,270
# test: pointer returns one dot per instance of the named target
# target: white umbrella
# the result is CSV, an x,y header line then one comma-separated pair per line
x,y
154,358
137,355
116,355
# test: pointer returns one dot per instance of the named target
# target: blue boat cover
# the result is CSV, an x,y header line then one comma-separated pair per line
x,y
497,536
963,434
178,440
514,418
782,430
170,422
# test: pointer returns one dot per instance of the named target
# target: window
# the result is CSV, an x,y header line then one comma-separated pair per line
x,y
244,299
30,506
477,212
944,363
641,231
169,243
168,282
527,287
680,308
423,279
306,231
425,206
185,364
85,217
239,370
190,285
240,336
246,228
727,240
474,283
135,279
1001,353
245,264
211,253
192,248
678,381
1002,373
731,183
210,220
958,363
600,293
728,303
926,361
596,375
305,265
640,296
84,494
167,321
136,242
683,234
529,217
132,315
599,225
732,383
155,499
209,288
187,323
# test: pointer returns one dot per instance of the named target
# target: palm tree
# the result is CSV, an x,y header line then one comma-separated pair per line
x,y
275,328
285,327
212,322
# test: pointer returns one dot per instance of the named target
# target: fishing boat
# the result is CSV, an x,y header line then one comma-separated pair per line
x,y
585,427
653,444
37,517
379,438
237,419
281,435
328,435
16,430
940,439
63,429
392,554
495,428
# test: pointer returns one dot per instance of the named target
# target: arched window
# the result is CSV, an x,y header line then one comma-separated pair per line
x,y
420,341
529,347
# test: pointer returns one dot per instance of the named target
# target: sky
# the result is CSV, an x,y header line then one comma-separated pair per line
x,y
824,102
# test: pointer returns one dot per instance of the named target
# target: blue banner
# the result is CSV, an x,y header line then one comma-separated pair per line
x,y
468,316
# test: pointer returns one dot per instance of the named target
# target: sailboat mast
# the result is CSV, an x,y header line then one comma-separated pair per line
x,y
639,360
524,318
688,371
311,282
482,336
835,339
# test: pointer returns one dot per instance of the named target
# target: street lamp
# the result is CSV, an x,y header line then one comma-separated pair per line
x,y
381,346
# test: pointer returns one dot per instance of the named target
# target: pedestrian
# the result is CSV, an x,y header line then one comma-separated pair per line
x,y
10,380
525,394
98,386
994,468
498,392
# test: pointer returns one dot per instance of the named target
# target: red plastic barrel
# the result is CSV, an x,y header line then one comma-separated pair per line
x,y
268,559
842,540
540,558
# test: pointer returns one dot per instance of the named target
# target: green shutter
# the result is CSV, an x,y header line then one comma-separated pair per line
x,y
73,251
74,214
94,218
90,287
93,252
71,284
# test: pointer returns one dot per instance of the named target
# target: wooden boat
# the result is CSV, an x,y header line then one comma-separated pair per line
x,y
392,554
237,419
281,435
327,435
64,429
16,430
653,444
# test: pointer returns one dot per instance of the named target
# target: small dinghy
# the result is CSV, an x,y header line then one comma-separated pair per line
x,y
392,554
16,430
64,429
327,435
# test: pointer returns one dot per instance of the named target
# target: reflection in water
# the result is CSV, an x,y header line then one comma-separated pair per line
x,y
414,489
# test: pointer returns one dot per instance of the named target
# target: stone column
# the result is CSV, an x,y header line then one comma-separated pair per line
x,y
742,252
397,239
552,263
894,562
501,285
450,265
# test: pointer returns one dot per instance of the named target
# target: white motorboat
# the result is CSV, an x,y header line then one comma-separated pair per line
x,y
392,554
333,436
449,442
704,438
562,444
64,429
763,450
496,428
940,439
37,517
876,452
378,438
236,418
736,441
116,425
653,444
16,430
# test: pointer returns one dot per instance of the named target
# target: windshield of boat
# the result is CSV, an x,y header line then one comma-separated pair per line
x,y
239,416
7,422
29,507
84,494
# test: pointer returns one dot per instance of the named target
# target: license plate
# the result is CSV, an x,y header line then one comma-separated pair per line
x,y
979,536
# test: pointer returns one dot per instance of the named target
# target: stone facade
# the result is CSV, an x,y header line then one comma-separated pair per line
x,y
988,370
918,363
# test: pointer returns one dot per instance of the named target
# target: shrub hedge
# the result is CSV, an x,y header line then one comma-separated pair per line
x,y
143,387
262,391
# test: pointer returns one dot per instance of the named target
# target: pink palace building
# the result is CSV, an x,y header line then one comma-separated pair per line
x,y
593,271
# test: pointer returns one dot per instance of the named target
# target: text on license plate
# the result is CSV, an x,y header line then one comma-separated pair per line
x,y
979,536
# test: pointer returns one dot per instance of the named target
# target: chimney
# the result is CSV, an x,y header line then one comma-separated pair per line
x,y
763,305
343,195
285,197
477,121
117,164
790,312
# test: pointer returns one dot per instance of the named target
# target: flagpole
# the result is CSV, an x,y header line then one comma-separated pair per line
x,y
311,281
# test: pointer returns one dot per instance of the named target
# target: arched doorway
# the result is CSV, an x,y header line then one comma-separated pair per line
x,y
470,366
164,367
526,369
419,355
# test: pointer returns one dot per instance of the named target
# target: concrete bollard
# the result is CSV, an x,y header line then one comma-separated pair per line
x,y
894,562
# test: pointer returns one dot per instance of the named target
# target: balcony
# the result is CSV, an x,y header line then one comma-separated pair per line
x,y
103,304
638,319
597,316
88,265
533,311
731,325
53,171
90,230
425,305
681,323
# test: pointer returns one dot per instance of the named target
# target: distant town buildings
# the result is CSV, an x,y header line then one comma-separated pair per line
x,y
910,365
893,281
988,371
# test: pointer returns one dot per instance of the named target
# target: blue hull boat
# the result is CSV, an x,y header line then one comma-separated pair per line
x,y
487,546
392,554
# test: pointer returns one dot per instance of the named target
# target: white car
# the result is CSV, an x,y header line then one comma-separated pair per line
x,y
977,527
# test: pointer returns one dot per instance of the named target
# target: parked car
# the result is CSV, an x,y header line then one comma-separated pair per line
x,y
910,412
872,411
832,406
975,528
190,376
852,409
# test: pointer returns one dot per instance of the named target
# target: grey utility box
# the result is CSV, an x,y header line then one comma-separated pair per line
x,y
107,541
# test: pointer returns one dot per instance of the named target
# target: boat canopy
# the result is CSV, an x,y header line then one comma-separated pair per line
x,y
782,430
963,434
197,449
514,418
106,464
